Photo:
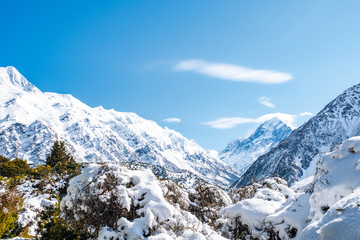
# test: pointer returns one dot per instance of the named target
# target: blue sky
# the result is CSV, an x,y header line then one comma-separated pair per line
x,y
218,66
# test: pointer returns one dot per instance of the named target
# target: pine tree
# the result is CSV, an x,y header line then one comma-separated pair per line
x,y
60,160
58,154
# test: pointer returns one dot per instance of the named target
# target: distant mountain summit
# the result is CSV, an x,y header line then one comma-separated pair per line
x,y
296,156
30,121
241,153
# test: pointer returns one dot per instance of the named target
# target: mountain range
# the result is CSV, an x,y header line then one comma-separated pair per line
x,y
31,120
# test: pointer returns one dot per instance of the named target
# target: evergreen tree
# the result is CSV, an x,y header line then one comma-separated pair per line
x,y
61,161
58,154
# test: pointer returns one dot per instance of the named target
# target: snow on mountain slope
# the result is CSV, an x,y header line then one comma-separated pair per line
x,y
296,156
31,120
325,206
241,153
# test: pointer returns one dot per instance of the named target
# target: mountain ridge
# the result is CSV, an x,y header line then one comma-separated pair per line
x,y
30,120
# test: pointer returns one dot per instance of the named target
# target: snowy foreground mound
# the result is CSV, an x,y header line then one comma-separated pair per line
x,y
131,204
326,206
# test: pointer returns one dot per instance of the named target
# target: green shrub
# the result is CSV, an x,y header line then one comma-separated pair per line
x,y
15,181
60,166
13,168
42,172
53,227
3,159
10,205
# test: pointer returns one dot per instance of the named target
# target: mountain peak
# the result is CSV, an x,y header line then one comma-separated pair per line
x,y
272,124
242,152
269,129
295,158
11,77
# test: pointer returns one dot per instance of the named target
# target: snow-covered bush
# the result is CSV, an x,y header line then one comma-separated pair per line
x,y
206,200
247,218
247,192
175,194
114,202
100,201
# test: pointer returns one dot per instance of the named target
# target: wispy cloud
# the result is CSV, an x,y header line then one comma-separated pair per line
x,y
306,114
172,120
266,102
226,123
233,72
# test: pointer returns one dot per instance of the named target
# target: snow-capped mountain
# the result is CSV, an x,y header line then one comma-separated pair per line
x,y
296,156
30,121
241,153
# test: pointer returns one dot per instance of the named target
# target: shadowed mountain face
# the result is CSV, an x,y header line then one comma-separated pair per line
x,y
241,153
30,121
296,156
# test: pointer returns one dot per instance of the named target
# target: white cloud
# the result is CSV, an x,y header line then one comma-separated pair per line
x,y
306,114
226,123
266,102
233,72
172,120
